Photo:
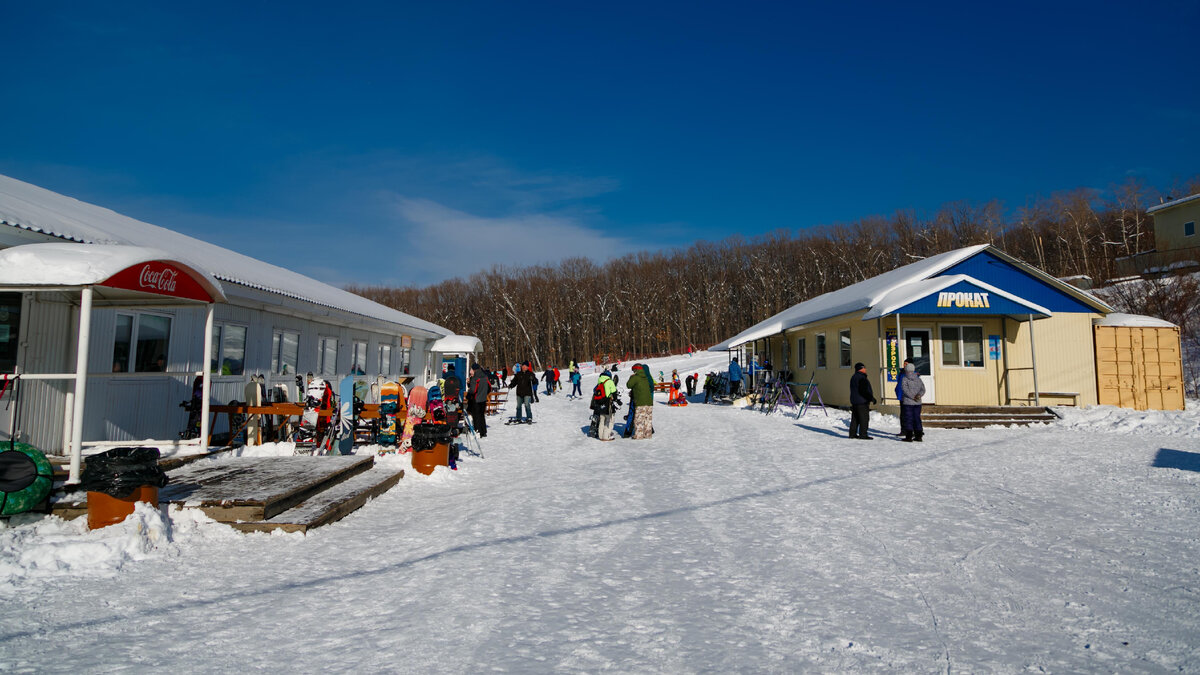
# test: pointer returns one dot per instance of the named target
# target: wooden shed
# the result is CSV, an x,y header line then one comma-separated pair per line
x,y
1139,363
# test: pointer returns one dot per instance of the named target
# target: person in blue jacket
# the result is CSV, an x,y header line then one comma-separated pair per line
x,y
735,378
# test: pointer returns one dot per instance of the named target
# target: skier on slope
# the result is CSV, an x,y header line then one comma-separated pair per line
x,y
524,383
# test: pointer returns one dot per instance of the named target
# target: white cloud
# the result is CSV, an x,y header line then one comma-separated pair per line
x,y
444,242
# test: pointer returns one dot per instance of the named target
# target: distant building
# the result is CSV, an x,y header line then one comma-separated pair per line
x,y
1176,243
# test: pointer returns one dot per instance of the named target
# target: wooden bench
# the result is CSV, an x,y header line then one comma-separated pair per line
x,y
1073,395
662,386
496,401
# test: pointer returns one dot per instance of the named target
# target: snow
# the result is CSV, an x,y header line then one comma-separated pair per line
x,y
1132,320
889,288
37,209
57,264
732,541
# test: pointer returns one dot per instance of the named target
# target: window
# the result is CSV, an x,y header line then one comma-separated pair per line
x,y
801,353
820,350
405,355
10,325
285,352
327,357
1189,228
228,350
385,359
962,346
358,365
140,343
844,348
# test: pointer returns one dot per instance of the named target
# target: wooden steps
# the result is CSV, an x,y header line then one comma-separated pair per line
x,y
329,505
256,494
970,417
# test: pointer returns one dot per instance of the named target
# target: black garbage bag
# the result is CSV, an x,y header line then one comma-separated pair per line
x,y
426,436
120,471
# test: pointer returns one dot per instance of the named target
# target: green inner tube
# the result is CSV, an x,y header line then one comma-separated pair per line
x,y
26,478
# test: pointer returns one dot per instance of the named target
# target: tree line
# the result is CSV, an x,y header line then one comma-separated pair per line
x,y
650,303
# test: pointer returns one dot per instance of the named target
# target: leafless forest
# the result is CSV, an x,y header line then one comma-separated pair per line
x,y
654,302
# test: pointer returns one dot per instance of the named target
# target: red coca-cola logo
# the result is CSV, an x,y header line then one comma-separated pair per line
x,y
160,278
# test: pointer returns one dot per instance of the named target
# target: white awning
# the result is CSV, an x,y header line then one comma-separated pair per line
x,y
457,344
117,272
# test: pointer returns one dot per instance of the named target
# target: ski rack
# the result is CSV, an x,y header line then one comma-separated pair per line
x,y
810,390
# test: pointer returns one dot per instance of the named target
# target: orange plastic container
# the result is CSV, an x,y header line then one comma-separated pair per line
x,y
104,510
424,461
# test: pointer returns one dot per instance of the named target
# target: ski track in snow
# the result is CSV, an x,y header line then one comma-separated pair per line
x,y
731,541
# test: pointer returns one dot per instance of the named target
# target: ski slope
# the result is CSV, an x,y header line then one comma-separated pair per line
x,y
731,541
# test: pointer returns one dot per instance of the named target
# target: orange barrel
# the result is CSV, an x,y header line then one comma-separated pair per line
x,y
104,510
430,447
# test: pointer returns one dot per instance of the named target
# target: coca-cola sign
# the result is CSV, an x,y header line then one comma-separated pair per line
x,y
160,278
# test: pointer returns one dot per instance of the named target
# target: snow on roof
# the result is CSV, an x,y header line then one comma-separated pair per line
x,y
457,344
55,264
1173,203
909,293
37,209
863,295
890,288
1133,321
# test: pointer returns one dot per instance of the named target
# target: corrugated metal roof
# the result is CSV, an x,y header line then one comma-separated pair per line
x,y
37,209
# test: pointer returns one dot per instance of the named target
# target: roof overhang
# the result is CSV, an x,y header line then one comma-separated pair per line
x,y
954,294
118,274
457,344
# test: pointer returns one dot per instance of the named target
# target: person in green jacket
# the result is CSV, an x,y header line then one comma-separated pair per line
x,y
642,397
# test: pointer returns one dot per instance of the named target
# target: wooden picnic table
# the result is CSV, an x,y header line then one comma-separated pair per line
x,y
495,401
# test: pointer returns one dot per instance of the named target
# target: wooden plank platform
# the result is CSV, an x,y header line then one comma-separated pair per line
x,y
242,488
330,505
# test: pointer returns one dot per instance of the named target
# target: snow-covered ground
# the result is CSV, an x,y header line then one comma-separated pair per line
x,y
732,541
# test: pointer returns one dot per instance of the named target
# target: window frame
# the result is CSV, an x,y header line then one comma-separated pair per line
x,y
802,353
218,352
845,359
385,363
1190,225
322,350
961,346
822,351
135,327
277,344
354,360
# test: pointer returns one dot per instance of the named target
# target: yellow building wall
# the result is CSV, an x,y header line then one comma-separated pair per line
x,y
834,379
1065,359
1168,227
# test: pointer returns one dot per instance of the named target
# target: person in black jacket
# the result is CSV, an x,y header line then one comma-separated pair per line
x,y
478,387
524,384
861,398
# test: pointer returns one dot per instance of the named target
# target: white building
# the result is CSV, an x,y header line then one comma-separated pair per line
x,y
143,351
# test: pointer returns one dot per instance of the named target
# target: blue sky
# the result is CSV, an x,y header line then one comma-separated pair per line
x,y
404,143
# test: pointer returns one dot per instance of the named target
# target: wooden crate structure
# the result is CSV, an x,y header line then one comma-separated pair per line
x,y
1139,367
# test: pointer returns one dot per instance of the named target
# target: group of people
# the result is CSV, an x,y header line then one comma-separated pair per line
x,y
639,421
909,391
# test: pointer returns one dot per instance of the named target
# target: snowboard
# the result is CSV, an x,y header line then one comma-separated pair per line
x,y
417,400
253,423
389,407
192,406
347,417
594,427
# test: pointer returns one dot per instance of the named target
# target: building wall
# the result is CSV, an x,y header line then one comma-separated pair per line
x,y
136,406
1065,359
1169,232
